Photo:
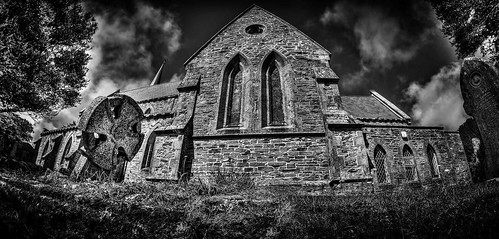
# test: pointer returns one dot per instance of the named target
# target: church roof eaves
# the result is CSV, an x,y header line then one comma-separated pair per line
x,y
237,17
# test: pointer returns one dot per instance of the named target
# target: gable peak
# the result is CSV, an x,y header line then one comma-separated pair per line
x,y
252,8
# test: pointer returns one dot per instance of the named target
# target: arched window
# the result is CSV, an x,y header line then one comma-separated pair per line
x,y
432,160
272,97
379,161
66,151
229,113
48,147
408,163
149,152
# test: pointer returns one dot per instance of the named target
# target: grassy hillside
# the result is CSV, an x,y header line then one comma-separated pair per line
x,y
230,206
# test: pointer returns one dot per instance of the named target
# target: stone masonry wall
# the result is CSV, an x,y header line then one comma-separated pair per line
x,y
280,160
353,159
168,119
133,170
158,107
164,163
351,154
450,163
301,54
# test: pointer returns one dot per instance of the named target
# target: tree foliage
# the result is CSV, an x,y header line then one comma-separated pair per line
x,y
43,53
13,128
471,25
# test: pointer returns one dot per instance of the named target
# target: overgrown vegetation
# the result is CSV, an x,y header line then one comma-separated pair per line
x,y
230,206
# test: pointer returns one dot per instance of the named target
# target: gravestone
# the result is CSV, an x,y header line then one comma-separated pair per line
x,y
111,135
480,90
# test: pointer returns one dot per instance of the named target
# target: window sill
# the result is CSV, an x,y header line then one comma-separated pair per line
x,y
278,127
232,129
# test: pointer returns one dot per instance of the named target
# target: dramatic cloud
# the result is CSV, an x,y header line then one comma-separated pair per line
x,y
439,102
125,45
126,49
41,126
384,37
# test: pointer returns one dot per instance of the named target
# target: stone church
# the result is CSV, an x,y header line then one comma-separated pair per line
x,y
260,98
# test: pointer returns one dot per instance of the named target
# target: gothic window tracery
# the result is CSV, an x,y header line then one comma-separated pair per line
x,y
432,160
65,153
48,147
379,161
149,151
408,166
272,94
231,95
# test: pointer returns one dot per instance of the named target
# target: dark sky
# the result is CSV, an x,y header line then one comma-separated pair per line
x,y
392,47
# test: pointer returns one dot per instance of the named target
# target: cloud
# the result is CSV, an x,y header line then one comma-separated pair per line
x,y
127,47
383,37
176,77
439,102
40,127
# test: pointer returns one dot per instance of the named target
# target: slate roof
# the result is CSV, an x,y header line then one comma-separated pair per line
x,y
153,92
367,108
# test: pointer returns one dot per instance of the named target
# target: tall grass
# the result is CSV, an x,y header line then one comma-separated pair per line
x,y
231,206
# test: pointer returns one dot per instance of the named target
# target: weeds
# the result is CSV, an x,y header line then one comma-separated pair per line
x,y
230,206
222,183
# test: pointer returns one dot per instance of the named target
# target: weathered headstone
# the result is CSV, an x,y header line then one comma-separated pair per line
x,y
111,134
470,136
480,90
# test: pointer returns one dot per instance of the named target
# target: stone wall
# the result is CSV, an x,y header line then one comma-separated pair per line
x,y
277,159
418,139
158,106
301,54
354,160
164,163
351,155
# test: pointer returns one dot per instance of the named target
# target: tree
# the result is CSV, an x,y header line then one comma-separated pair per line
x,y
471,25
43,54
13,128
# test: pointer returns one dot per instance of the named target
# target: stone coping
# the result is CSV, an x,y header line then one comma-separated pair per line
x,y
262,135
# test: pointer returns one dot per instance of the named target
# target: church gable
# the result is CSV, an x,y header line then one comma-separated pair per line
x,y
257,25
256,76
